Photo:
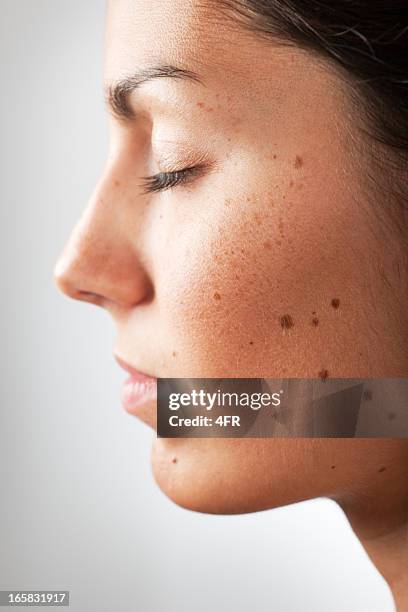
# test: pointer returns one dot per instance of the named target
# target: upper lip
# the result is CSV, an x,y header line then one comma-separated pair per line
x,y
130,369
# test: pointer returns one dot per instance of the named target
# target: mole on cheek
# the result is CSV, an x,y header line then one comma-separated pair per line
x,y
286,321
217,296
315,321
116,183
298,162
335,303
174,353
382,469
174,460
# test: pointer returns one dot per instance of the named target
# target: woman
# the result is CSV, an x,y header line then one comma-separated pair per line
x,y
251,222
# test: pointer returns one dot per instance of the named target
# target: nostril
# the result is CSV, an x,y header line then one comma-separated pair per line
x,y
89,296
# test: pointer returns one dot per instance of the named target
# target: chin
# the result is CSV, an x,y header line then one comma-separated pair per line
x,y
224,476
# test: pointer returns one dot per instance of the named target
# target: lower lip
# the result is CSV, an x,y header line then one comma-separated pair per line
x,y
137,391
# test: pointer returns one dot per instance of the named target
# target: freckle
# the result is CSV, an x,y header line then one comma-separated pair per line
x,y
300,186
209,110
242,250
391,416
217,296
382,469
248,198
279,242
367,395
315,321
286,321
335,303
267,244
174,460
174,353
314,312
116,183
323,375
333,467
291,183
236,277
258,218
275,156
200,104
250,342
298,162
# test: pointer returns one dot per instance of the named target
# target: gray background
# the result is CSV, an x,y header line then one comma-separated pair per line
x,y
79,508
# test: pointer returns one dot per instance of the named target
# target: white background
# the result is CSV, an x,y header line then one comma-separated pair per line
x,y
79,508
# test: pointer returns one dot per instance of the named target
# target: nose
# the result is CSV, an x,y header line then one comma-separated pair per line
x,y
101,262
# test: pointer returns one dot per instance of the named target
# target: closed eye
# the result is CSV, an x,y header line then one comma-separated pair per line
x,y
167,180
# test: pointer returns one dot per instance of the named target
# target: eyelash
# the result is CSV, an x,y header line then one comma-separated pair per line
x,y
168,180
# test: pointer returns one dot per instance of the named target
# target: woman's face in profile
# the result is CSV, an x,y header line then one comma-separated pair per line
x,y
232,234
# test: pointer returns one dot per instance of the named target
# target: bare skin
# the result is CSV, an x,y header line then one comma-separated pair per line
x,y
277,222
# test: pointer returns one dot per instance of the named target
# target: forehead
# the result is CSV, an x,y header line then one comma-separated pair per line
x,y
185,33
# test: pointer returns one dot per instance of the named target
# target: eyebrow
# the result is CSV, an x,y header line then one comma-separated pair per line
x,y
117,93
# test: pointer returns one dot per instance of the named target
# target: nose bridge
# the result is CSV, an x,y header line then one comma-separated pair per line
x,y
102,262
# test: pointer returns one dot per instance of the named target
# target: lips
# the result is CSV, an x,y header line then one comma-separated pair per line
x,y
138,391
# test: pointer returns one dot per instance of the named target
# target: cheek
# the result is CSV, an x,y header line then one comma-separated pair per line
x,y
253,278
219,288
